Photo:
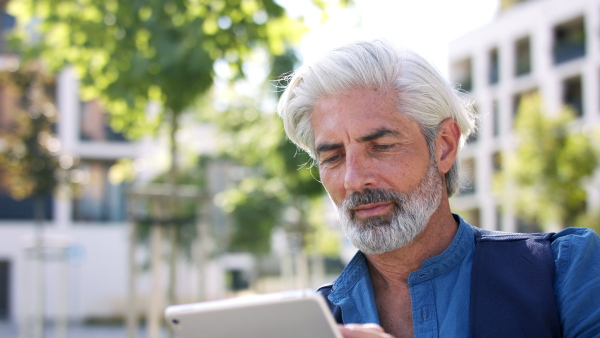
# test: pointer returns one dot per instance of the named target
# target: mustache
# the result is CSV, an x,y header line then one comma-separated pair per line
x,y
373,196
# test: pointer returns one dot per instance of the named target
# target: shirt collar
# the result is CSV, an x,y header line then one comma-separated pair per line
x,y
357,270
461,244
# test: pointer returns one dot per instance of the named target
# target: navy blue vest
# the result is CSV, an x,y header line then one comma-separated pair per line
x,y
512,287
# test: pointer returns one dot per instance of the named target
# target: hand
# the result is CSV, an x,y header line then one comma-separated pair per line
x,y
363,331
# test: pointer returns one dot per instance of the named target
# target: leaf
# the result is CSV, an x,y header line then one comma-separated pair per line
x,y
549,166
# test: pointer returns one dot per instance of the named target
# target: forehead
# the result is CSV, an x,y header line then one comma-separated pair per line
x,y
367,101
356,112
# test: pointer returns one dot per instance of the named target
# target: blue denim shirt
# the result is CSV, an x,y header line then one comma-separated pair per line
x,y
440,290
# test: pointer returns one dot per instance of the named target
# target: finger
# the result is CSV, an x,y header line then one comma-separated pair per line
x,y
363,331
369,326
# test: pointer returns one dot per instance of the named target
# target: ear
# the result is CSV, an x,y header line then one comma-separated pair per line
x,y
446,144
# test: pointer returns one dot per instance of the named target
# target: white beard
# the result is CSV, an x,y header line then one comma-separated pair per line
x,y
412,210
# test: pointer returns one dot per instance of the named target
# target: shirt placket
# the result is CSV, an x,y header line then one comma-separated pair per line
x,y
424,313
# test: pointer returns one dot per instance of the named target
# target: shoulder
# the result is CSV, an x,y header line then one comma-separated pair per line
x,y
483,235
576,252
577,234
577,280
572,243
325,290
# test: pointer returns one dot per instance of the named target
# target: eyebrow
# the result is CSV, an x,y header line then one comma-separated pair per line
x,y
379,133
327,147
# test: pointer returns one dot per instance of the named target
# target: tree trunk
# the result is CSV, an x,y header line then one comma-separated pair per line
x,y
172,212
155,307
131,285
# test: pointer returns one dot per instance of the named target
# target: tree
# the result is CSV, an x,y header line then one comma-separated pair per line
x,y
130,53
281,177
31,164
133,53
281,188
549,166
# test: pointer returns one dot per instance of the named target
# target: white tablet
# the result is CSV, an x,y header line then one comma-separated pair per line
x,y
290,314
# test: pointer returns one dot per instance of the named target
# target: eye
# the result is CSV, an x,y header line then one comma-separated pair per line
x,y
383,146
330,159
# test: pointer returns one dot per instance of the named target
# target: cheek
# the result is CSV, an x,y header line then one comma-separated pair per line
x,y
403,174
334,184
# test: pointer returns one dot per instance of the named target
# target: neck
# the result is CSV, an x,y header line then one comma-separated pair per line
x,y
394,267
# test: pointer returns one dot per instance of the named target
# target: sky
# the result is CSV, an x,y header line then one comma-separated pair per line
x,y
426,26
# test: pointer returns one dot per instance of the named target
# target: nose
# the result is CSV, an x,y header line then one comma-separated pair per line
x,y
359,173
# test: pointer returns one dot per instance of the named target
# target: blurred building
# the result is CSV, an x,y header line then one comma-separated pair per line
x,y
548,46
86,239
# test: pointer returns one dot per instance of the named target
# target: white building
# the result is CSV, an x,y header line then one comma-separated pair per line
x,y
551,46
88,234
86,240
86,271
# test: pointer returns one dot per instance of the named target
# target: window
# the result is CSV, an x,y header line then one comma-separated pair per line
x,y
23,209
101,200
569,40
238,279
506,4
522,56
499,219
474,136
496,119
472,216
7,22
9,107
467,166
5,275
572,94
527,226
463,74
494,67
517,100
497,162
94,124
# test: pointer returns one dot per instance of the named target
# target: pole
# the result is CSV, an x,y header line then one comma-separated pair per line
x,y
63,294
154,317
131,286
38,258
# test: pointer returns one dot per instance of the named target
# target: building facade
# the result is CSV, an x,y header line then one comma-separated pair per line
x,y
84,238
551,47
85,274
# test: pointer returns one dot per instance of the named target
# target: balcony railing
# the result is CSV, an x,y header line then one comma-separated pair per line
x,y
494,74
568,51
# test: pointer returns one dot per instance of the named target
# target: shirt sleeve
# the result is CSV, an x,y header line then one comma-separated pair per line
x,y
577,281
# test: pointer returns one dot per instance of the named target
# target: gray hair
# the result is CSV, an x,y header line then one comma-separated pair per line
x,y
422,92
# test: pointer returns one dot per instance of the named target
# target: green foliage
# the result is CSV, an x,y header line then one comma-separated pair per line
x,y
184,230
590,219
254,211
179,215
323,240
132,53
549,166
281,177
29,149
129,53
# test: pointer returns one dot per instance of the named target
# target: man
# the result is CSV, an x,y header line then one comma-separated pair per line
x,y
385,129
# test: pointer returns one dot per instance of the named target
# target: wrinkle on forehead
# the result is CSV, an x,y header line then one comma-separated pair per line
x,y
332,116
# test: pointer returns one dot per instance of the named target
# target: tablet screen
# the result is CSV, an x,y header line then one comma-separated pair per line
x,y
291,314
